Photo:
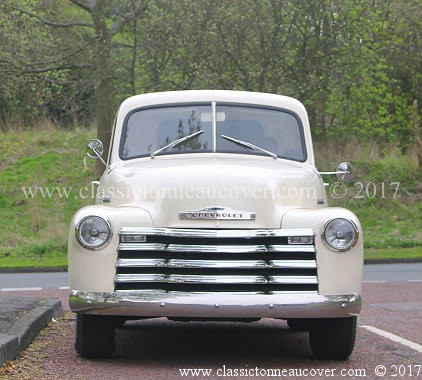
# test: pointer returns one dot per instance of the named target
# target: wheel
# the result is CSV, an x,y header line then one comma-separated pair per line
x,y
332,338
95,336
298,324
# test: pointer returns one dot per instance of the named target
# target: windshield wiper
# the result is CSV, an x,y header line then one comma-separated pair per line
x,y
177,142
249,145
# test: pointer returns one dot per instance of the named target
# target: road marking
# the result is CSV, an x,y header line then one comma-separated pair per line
x,y
384,281
18,289
394,338
32,288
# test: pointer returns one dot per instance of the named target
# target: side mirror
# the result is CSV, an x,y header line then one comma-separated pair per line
x,y
95,148
345,172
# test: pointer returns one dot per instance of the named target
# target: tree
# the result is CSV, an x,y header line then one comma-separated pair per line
x,y
106,21
33,71
355,64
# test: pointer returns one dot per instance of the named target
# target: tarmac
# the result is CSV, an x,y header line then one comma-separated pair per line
x,y
21,319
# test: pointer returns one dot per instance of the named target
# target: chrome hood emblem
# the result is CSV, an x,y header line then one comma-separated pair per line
x,y
217,213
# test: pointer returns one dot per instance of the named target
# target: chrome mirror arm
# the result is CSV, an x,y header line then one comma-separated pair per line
x,y
95,149
344,172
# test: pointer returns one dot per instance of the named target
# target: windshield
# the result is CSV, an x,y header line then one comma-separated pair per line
x,y
153,131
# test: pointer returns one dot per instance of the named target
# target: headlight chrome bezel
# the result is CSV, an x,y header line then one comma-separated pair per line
x,y
347,247
83,243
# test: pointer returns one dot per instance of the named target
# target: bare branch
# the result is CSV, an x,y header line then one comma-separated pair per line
x,y
44,21
88,6
33,70
119,25
7,62
19,71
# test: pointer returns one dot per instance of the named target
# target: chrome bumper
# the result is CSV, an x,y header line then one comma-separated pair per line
x,y
215,305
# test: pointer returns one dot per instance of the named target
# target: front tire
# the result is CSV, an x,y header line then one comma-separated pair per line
x,y
332,338
95,336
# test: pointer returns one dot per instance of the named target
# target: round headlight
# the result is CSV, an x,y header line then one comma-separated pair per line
x,y
340,234
93,232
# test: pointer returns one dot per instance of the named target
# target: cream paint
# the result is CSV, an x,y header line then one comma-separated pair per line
x,y
282,194
169,185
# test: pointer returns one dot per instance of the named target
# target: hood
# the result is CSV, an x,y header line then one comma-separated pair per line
x,y
213,190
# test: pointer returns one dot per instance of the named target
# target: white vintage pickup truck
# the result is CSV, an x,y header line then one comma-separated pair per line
x,y
211,208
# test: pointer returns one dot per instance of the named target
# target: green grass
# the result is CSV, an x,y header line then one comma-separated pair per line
x,y
35,229
18,260
374,254
386,195
45,255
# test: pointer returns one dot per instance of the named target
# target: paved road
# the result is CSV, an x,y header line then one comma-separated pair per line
x,y
372,273
389,339
411,272
388,345
33,281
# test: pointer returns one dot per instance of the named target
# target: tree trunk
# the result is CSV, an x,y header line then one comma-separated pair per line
x,y
417,132
104,89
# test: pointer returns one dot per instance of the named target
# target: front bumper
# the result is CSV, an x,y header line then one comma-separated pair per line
x,y
215,305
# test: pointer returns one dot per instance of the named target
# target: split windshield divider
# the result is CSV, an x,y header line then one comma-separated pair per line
x,y
214,126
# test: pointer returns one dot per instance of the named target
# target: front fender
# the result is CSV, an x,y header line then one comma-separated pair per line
x,y
94,270
338,272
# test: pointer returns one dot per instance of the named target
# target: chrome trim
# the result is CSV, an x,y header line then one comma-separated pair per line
x,y
230,264
287,264
141,247
311,242
216,279
199,233
110,232
217,213
216,248
190,279
181,263
264,265
293,280
134,278
221,264
214,126
291,248
145,263
328,245
230,305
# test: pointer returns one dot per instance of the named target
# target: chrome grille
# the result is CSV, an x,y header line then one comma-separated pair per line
x,y
195,260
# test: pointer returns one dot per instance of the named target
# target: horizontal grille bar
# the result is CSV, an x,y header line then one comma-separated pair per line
x,y
236,264
196,233
216,248
213,248
206,279
193,279
141,247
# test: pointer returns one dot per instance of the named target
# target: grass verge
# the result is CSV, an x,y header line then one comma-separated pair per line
x,y
35,226
393,254
34,262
